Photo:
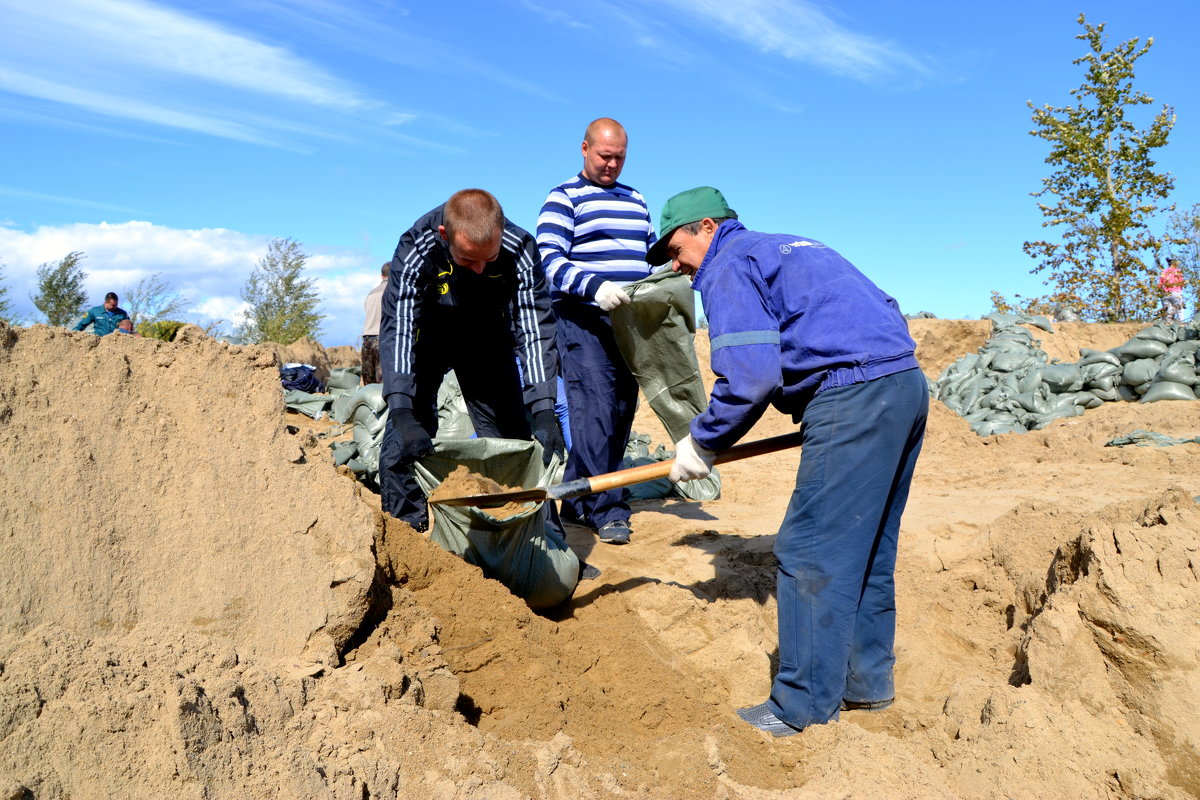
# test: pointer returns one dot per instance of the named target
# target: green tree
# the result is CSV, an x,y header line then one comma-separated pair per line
x,y
151,300
1104,190
5,306
283,303
1183,230
60,289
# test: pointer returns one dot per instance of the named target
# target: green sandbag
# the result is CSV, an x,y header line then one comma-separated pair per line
x,y
307,403
343,452
368,453
454,421
1064,407
1001,320
997,427
655,335
1140,371
343,380
1063,378
370,396
1034,402
1143,438
1136,349
524,552
1128,394
1167,390
1097,356
1158,332
1099,370
364,417
1086,399
1029,378
637,453
1177,369
1012,360
1184,347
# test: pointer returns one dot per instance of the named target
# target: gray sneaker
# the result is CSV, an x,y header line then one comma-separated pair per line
x,y
761,717
615,532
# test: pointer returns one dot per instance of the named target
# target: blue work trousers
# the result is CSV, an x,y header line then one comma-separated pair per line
x,y
837,547
602,397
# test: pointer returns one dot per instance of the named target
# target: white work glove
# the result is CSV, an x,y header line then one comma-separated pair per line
x,y
692,461
609,296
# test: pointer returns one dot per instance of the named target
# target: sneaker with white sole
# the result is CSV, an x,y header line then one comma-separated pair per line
x,y
615,532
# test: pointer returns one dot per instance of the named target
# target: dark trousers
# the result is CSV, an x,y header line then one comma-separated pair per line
x,y
486,366
837,547
372,371
601,397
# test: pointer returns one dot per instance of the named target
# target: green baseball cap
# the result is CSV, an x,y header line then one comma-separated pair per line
x,y
690,206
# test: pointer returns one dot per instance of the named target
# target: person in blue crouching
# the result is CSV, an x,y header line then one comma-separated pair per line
x,y
795,325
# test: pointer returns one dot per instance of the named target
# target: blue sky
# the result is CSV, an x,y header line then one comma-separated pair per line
x,y
179,138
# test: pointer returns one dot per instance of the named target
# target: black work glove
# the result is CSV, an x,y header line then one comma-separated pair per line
x,y
548,433
411,441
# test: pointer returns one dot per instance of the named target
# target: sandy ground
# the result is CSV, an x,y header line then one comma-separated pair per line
x,y
196,605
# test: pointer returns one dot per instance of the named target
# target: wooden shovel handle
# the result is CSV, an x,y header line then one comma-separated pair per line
x,y
660,469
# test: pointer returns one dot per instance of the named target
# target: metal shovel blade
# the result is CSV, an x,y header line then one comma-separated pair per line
x,y
613,480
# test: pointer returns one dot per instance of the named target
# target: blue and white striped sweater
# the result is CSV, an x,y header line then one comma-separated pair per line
x,y
588,234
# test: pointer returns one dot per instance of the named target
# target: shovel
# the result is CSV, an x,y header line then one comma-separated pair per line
x,y
613,480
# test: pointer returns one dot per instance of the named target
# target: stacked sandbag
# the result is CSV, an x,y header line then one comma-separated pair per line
x,y
343,380
367,410
1008,386
1159,363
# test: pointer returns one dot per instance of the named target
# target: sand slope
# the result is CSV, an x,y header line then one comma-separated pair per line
x,y
199,606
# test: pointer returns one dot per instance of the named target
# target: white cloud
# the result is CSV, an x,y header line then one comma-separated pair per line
x,y
141,61
207,266
162,40
799,30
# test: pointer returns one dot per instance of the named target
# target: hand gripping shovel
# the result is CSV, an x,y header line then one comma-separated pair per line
x,y
613,480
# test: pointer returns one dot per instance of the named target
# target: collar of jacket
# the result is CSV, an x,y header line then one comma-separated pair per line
x,y
727,228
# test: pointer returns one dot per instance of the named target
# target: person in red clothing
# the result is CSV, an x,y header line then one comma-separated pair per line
x,y
1170,283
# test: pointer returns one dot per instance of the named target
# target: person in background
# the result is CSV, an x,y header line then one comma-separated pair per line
x,y
795,325
105,318
1170,283
372,371
593,233
465,292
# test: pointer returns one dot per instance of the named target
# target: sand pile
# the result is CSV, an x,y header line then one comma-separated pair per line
x,y
198,605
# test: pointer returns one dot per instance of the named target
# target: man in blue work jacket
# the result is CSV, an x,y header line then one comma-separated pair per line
x,y
797,326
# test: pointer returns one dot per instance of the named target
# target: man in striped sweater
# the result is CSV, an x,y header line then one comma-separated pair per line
x,y
593,234
465,292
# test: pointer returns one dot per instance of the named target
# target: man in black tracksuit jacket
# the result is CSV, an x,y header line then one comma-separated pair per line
x,y
466,292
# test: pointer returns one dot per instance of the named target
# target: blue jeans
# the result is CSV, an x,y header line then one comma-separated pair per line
x,y
601,397
837,547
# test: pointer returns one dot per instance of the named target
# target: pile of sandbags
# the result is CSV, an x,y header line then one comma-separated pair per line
x,y
368,411
305,394
1008,386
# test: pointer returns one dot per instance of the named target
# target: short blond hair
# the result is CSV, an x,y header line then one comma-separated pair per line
x,y
475,215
